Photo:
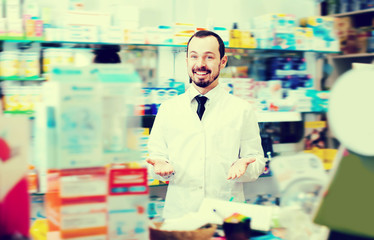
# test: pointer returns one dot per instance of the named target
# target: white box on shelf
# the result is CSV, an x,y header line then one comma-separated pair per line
x,y
87,18
12,9
127,204
14,27
278,116
76,111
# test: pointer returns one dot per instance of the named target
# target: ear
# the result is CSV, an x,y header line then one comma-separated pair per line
x,y
223,62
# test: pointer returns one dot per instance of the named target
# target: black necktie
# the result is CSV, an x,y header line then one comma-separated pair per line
x,y
201,108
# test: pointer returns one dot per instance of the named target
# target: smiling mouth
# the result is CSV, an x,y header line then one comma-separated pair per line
x,y
201,73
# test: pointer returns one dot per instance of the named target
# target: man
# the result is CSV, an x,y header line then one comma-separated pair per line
x,y
207,157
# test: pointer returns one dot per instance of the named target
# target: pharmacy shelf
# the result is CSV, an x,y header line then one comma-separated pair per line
x,y
279,116
21,79
19,112
355,55
141,45
343,63
360,12
20,38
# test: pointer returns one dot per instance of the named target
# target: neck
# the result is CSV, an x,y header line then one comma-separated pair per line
x,y
205,90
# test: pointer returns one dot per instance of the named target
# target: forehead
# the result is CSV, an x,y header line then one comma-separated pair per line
x,y
205,44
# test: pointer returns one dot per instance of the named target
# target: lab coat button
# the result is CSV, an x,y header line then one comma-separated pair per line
x,y
200,187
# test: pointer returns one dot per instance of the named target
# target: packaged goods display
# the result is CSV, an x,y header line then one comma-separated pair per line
x,y
91,83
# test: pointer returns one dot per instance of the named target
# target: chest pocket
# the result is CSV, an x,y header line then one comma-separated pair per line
x,y
227,139
181,127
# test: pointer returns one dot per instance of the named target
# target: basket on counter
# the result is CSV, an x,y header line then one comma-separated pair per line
x,y
204,233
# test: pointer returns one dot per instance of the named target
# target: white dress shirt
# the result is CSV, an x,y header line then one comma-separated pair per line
x,y
202,152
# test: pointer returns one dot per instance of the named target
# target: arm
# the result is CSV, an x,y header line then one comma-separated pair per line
x,y
158,150
251,162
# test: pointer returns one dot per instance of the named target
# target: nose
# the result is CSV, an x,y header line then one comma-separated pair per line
x,y
201,62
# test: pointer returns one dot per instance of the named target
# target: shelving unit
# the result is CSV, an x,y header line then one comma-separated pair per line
x,y
91,45
360,12
355,55
359,18
343,62
21,79
147,121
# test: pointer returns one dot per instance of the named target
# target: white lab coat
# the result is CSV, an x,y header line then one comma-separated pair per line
x,y
202,152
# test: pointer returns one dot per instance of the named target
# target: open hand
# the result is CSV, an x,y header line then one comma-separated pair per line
x,y
161,167
239,167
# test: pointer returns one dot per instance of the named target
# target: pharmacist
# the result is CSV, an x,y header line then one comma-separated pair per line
x,y
205,142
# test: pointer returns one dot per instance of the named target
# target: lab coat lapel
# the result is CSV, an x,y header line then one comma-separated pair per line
x,y
192,113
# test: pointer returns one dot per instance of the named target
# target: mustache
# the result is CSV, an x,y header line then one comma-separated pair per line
x,y
201,69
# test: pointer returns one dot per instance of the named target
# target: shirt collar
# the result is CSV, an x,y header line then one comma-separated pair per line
x,y
211,95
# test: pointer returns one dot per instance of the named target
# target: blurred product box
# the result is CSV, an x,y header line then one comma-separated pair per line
x,y
111,34
325,38
280,21
224,34
363,35
320,100
284,41
183,32
137,36
235,38
74,121
264,38
81,33
12,9
76,203
87,18
14,27
247,40
348,43
342,25
159,35
127,204
304,38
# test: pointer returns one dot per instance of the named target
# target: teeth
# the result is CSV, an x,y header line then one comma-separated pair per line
x,y
202,73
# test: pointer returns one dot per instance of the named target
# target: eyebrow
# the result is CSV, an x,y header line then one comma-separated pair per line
x,y
208,52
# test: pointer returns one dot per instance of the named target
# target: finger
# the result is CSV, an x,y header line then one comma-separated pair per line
x,y
165,173
233,175
239,174
162,174
150,161
229,176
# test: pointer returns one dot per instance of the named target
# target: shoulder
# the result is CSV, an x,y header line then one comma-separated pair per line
x,y
175,101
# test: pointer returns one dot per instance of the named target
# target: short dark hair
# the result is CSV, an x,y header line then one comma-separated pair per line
x,y
203,34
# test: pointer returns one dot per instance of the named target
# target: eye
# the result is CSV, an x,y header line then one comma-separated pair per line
x,y
193,56
210,57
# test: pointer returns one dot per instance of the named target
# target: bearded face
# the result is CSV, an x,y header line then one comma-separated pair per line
x,y
203,61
